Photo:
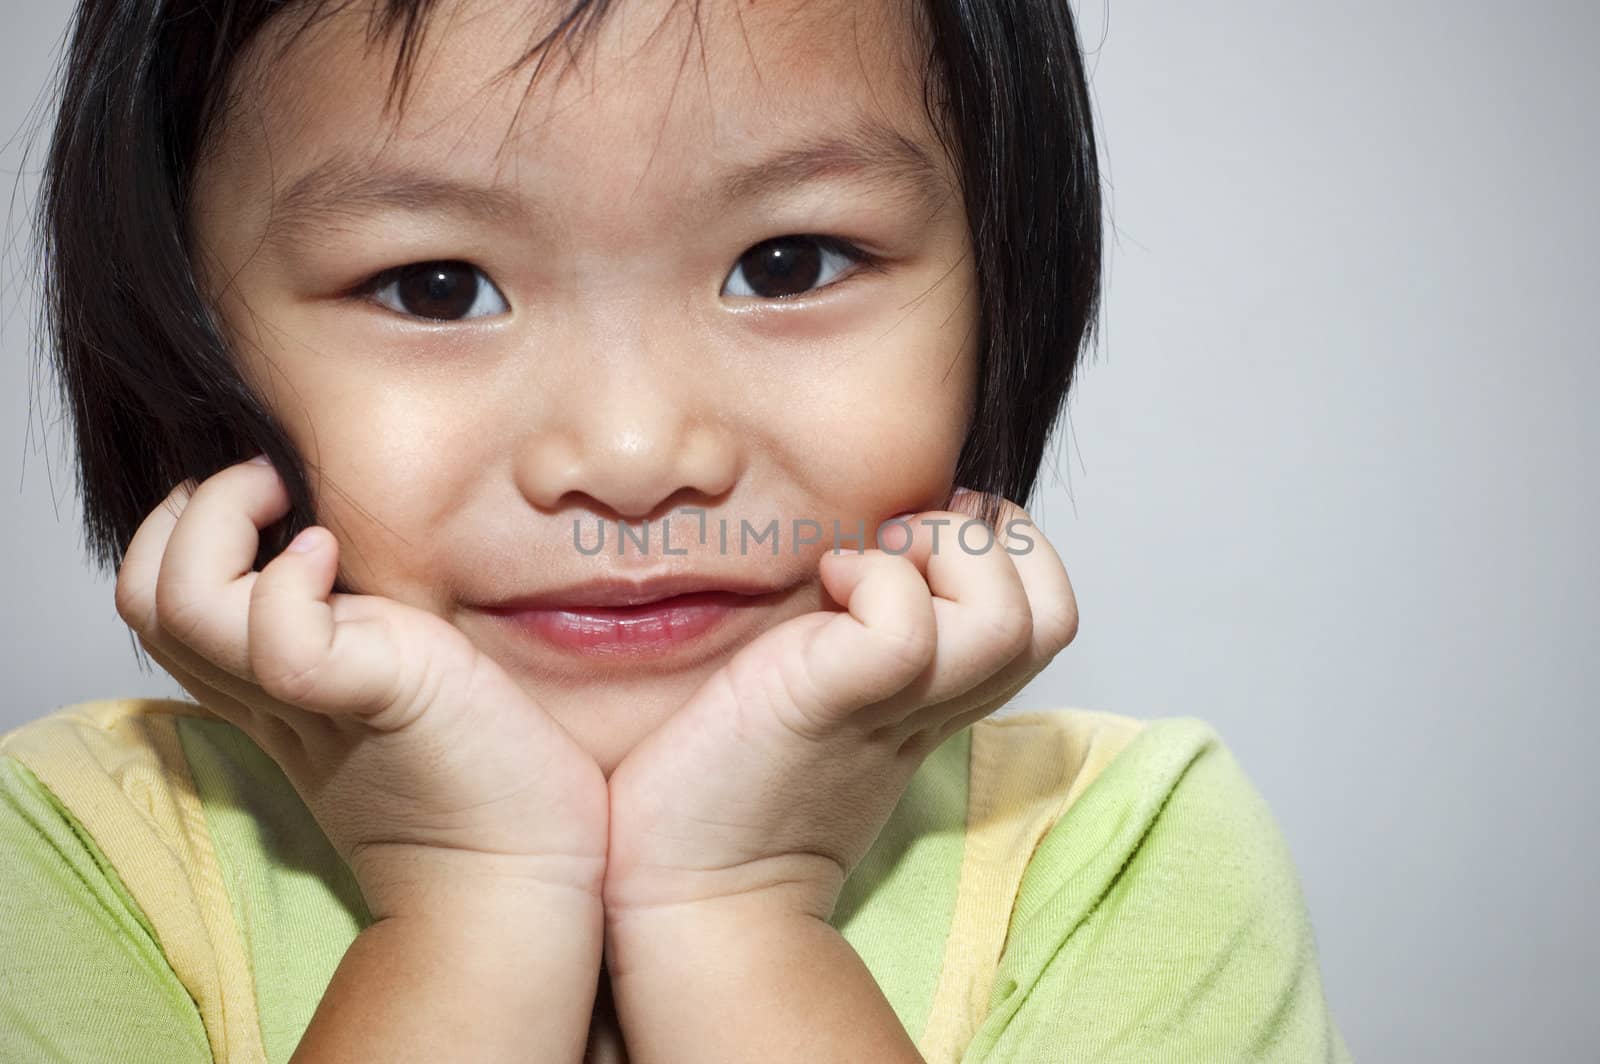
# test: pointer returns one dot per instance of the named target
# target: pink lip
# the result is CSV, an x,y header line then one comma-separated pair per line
x,y
613,592
648,629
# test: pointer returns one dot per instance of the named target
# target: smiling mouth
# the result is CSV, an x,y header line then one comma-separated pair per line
x,y
644,630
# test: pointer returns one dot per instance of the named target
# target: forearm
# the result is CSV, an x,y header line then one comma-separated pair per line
x,y
487,976
748,983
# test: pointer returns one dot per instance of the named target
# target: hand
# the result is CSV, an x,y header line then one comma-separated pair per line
x,y
422,761
780,771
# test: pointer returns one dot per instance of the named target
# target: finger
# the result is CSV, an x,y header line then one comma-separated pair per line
x,y
870,652
135,598
272,734
301,652
995,700
1054,611
1044,579
982,610
219,702
203,590
141,562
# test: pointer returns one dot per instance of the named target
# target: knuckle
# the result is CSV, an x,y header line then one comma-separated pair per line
x,y
406,695
178,613
909,648
279,676
287,683
1010,627
1058,627
132,601
268,589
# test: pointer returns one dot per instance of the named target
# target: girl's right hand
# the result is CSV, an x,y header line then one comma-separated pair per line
x,y
420,758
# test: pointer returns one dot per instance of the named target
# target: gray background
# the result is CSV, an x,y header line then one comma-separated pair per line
x,y
1327,485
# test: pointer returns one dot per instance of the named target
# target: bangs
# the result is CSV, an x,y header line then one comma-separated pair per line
x,y
403,24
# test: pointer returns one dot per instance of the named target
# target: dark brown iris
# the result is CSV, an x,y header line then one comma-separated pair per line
x,y
786,266
441,290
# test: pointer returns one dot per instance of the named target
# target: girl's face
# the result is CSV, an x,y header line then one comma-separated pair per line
x,y
602,337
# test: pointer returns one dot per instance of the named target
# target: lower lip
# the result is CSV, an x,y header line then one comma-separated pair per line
x,y
648,630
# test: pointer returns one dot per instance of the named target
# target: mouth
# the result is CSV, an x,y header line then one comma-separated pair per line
x,y
644,630
635,622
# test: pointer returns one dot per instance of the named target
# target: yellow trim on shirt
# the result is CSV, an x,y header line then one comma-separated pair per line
x,y
1025,770
120,768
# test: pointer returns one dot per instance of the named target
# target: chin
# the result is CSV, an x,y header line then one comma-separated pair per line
x,y
608,720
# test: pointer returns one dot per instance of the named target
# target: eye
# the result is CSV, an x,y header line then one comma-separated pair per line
x,y
787,266
437,291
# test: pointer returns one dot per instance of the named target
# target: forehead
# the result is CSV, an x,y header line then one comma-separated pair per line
x,y
665,90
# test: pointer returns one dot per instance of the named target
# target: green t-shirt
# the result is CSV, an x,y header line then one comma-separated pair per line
x,y
1067,885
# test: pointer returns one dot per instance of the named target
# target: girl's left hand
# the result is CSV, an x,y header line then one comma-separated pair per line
x,y
777,775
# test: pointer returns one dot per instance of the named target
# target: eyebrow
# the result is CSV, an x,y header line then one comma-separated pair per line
x,y
871,156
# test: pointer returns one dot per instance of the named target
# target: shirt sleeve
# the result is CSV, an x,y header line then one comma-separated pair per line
x,y
82,977
1162,919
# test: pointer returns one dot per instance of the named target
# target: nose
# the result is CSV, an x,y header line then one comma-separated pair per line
x,y
627,442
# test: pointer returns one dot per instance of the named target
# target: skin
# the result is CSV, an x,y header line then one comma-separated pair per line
x,y
617,375
622,381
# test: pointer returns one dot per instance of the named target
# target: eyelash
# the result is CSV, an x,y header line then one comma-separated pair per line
x,y
863,261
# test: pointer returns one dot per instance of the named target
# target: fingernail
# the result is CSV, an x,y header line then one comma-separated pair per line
x,y
261,459
307,541
967,501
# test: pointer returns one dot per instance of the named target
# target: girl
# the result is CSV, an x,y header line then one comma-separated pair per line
x,y
579,672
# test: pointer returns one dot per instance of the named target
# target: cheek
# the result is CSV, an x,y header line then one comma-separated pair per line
x,y
388,468
888,434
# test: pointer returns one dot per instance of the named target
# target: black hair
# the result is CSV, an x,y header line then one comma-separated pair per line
x,y
146,375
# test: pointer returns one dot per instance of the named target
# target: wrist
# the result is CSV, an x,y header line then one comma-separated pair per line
x,y
419,881
772,887
650,938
